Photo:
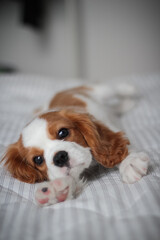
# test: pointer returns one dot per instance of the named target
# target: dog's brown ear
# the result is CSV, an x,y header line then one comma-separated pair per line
x,y
113,146
107,147
18,167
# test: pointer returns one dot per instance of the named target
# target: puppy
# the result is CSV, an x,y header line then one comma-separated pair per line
x,y
76,127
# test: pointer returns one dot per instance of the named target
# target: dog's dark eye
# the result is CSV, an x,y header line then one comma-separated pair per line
x,y
38,160
63,132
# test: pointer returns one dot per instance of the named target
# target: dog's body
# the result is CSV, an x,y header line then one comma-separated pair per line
x,y
75,127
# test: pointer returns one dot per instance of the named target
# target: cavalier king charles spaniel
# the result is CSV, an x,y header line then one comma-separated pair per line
x,y
76,128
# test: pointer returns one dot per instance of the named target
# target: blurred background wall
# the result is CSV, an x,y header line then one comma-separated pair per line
x,y
92,39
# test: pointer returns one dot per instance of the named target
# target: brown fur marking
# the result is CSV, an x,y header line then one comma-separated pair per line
x,y
58,120
67,98
19,162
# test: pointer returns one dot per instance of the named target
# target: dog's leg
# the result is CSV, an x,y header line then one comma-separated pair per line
x,y
58,190
134,167
121,96
104,91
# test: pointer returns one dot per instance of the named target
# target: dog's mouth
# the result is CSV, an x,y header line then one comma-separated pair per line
x,y
71,168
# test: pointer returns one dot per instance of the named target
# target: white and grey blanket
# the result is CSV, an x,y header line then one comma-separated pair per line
x,y
107,208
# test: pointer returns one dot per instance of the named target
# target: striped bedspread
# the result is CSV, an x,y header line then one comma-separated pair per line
x,y
107,208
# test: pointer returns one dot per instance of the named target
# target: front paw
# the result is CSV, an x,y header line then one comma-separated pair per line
x,y
55,191
134,167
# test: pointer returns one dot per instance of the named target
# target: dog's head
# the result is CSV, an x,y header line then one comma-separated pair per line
x,y
61,143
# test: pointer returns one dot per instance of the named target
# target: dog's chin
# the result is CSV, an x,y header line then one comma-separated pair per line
x,y
68,170
76,171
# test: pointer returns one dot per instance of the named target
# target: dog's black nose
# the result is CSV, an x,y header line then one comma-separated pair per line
x,y
61,158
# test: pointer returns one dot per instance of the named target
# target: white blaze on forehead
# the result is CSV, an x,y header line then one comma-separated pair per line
x,y
35,134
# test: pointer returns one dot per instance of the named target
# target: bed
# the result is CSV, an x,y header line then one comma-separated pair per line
x,y
107,208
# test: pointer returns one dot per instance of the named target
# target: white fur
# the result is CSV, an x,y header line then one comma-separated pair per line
x,y
35,134
133,167
104,93
100,112
105,101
